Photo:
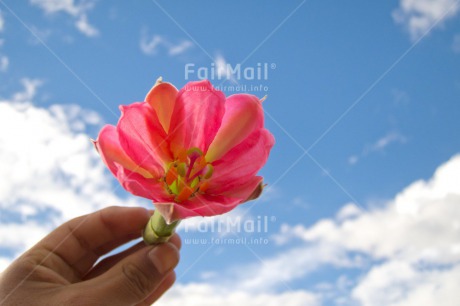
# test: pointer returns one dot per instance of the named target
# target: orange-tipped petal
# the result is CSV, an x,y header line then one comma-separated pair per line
x,y
241,163
197,116
162,98
142,137
243,114
111,152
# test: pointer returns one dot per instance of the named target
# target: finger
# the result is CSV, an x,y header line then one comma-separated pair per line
x,y
109,262
134,278
175,239
167,283
81,241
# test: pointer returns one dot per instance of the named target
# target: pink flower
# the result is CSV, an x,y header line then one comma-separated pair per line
x,y
193,152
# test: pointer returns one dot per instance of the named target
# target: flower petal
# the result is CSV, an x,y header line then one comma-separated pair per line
x,y
108,146
241,163
200,205
246,190
142,137
141,186
243,114
197,115
162,98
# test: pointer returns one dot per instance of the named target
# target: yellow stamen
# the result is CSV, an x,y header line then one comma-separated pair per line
x,y
188,174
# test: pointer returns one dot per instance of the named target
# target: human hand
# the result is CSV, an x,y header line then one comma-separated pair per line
x,y
61,270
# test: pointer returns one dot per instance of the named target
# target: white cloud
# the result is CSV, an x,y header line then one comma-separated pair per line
x,y
223,69
150,45
348,211
2,21
378,146
196,294
4,263
408,286
353,159
408,248
76,9
180,47
418,16
4,63
456,44
30,89
386,140
55,6
4,60
294,264
419,224
53,172
83,25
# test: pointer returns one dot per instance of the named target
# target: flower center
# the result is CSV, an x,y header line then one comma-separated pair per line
x,y
188,174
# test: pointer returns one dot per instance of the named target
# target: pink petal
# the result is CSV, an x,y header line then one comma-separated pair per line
x,y
113,154
138,185
244,190
241,163
162,98
197,115
142,137
200,205
243,115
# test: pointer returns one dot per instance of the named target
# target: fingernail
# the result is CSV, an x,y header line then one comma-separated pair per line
x,y
164,257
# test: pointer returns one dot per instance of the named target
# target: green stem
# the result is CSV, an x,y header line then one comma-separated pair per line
x,y
157,230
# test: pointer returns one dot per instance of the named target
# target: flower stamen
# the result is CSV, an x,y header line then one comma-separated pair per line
x,y
188,174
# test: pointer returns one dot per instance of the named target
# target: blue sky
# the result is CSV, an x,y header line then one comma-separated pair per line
x,y
363,99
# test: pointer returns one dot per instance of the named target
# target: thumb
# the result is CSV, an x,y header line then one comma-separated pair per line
x,y
135,277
